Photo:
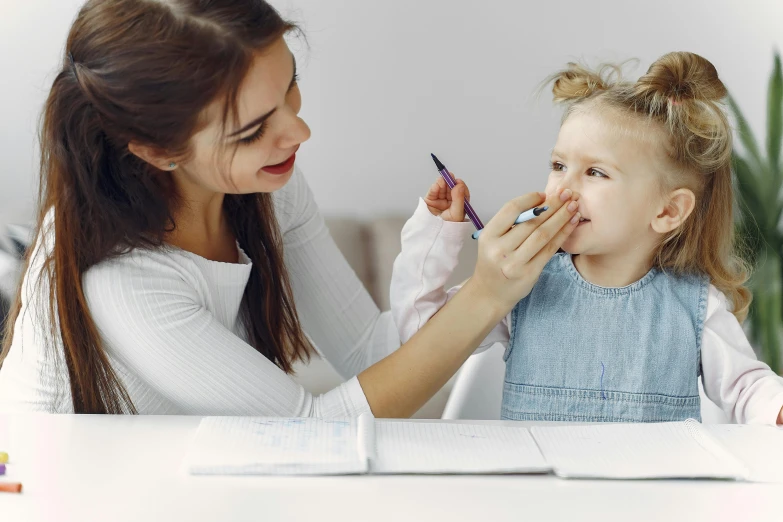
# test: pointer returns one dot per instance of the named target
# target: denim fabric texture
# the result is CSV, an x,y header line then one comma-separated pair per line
x,y
581,352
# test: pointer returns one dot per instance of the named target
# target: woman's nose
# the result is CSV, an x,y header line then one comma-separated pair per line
x,y
295,133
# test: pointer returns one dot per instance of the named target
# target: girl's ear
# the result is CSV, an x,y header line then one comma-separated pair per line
x,y
152,156
675,211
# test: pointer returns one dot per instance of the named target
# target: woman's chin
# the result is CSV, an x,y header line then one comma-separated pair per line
x,y
273,182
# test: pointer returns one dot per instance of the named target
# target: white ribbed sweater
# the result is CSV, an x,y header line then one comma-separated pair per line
x,y
169,322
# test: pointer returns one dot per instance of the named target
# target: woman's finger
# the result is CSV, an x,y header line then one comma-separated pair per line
x,y
517,235
504,219
540,260
543,236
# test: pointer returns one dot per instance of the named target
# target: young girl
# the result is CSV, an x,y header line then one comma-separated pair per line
x,y
648,294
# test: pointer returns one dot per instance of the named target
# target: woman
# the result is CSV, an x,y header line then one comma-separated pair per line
x,y
179,255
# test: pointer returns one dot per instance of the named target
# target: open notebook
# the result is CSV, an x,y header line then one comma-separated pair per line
x,y
273,446
269,446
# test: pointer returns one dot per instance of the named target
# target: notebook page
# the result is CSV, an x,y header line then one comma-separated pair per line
x,y
760,448
270,446
426,447
636,451
366,443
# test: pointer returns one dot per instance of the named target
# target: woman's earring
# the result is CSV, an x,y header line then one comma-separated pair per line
x,y
172,165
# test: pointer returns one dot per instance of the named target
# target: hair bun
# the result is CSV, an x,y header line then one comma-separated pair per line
x,y
577,82
682,76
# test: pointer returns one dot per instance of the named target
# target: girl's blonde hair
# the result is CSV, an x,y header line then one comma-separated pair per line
x,y
682,93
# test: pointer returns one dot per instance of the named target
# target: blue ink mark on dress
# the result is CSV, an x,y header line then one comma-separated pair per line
x,y
603,369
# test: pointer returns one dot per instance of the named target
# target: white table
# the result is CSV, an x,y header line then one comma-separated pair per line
x,y
123,468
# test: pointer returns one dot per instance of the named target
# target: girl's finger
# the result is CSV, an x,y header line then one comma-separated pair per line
x,y
467,190
458,200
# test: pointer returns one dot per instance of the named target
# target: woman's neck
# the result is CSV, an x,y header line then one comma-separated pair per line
x,y
613,270
202,228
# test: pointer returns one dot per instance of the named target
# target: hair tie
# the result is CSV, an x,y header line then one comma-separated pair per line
x,y
70,59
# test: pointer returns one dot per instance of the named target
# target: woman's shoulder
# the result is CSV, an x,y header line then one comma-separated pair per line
x,y
149,263
141,273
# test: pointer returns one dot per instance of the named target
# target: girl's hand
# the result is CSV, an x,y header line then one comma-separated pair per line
x,y
511,259
447,203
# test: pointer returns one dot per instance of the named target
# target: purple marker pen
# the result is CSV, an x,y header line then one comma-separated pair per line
x,y
452,183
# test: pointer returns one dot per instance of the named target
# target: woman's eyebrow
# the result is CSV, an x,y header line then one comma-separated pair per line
x,y
264,117
253,123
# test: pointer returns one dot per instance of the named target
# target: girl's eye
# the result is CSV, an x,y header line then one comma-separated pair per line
x,y
256,135
556,166
596,173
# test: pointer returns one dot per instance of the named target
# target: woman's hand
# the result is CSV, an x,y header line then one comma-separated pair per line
x,y
511,258
448,203
509,263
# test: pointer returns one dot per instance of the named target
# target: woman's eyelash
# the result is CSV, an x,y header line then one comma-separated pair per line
x,y
260,132
556,165
256,135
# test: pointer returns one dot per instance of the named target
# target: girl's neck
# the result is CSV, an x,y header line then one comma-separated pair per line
x,y
203,229
613,270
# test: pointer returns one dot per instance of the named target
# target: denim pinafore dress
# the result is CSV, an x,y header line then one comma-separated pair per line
x,y
581,352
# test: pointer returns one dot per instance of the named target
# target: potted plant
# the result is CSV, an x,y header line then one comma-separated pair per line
x,y
759,179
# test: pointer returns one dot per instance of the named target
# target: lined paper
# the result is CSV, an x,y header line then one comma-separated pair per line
x,y
637,451
425,447
258,445
760,448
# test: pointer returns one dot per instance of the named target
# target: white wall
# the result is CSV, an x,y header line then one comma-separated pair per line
x,y
386,83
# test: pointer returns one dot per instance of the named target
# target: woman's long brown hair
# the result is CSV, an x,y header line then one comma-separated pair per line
x,y
144,71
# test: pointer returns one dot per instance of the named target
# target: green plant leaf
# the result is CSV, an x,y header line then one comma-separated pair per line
x,y
758,180
767,308
745,134
752,200
749,244
775,117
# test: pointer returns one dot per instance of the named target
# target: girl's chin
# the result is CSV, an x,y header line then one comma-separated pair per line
x,y
571,247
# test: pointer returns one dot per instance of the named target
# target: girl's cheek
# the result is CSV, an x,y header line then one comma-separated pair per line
x,y
551,186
